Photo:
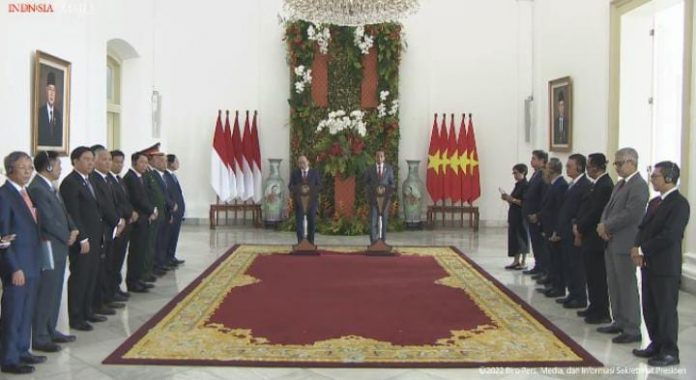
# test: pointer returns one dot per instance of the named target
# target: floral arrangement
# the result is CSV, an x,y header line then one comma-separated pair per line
x,y
340,139
362,40
382,107
304,78
341,143
321,34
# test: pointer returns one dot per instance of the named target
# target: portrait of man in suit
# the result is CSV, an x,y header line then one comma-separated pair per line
x,y
560,115
51,116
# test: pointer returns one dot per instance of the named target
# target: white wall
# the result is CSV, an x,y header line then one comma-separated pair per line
x,y
463,56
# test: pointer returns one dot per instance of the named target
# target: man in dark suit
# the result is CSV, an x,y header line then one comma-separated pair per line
x,y
156,190
125,209
104,296
20,266
81,202
175,193
550,208
137,250
50,117
379,174
660,239
561,123
618,228
572,261
58,229
592,247
300,176
531,207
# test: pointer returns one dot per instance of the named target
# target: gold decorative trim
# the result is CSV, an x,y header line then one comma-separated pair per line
x,y
186,334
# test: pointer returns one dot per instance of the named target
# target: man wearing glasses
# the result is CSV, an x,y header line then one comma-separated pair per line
x,y
618,227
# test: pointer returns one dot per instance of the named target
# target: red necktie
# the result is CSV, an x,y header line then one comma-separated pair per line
x,y
28,202
379,171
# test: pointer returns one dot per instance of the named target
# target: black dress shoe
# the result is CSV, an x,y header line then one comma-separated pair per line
x,y
64,339
147,285
32,359
563,300
17,369
611,329
104,311
553,293
116,305
46,347
575,304
584,313
159,272
81,326
627,338
647,352
597,319
149,278
96,318
177,261
118,298
123,294
534,270
542,290
663,360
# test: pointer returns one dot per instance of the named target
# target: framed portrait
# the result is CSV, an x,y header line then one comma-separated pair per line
x,y
561,115
50,121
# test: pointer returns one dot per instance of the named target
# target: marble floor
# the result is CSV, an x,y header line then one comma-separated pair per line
x,y
200,247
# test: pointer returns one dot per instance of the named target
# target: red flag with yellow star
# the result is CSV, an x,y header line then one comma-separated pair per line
x,y
433,178
463,162
444,142
473,164
453,164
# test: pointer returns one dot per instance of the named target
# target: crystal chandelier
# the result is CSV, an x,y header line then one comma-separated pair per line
x,y
350,12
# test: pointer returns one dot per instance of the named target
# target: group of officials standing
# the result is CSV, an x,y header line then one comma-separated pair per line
x,y
89,222
589,235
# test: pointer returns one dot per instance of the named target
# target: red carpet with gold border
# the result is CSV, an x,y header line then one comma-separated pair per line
x,y
424,307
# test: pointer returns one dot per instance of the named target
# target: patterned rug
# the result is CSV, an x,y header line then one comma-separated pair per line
x,y
425,307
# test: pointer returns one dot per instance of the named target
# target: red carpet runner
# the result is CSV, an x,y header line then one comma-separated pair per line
x,y
428,307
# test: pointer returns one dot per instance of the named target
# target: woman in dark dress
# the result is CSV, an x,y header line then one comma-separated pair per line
x,y
518,235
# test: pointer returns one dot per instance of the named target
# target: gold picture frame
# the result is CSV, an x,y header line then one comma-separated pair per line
x,y
561,115
50,120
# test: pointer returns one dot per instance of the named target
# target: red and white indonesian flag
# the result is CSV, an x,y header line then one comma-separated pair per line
x,y
219,170
247,162
256,167
229,159
238,159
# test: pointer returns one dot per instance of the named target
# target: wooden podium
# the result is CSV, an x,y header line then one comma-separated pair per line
x,y
305,192
379,247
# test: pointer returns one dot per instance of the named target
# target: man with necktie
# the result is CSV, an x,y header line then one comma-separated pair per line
x,y
176,194
128,213
531,210
59,231
379,174
50,117
660,240
310,176
20,266
618,228
82,205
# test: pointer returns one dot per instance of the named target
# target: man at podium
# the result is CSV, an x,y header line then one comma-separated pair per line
x,y
306,177
379,177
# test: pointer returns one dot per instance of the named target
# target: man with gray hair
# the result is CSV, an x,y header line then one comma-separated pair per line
x,y
618,227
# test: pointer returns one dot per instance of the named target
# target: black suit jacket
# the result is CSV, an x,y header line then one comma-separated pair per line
x,y
551,206
83,209
531,203
56,224
51,136
107,204
136,192
660,235
175,193
590,211
313,180
123,204
571,204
